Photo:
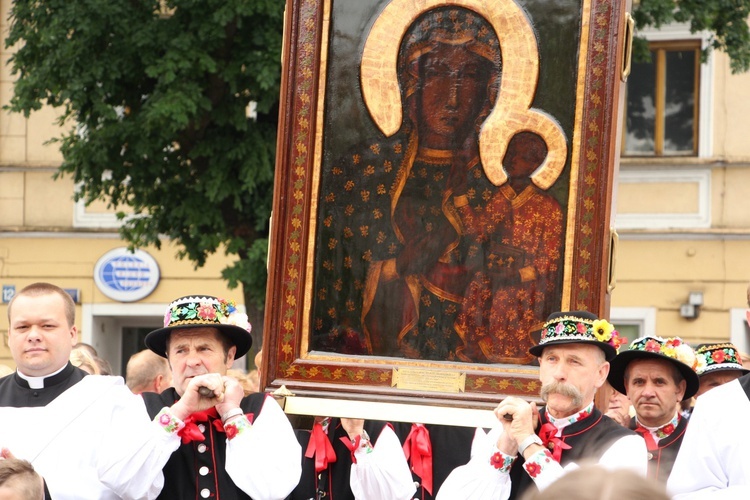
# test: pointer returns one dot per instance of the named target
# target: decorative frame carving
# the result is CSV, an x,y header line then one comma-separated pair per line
x,y
590,169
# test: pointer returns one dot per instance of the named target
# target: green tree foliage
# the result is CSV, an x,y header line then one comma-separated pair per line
x,y
724,20
153,98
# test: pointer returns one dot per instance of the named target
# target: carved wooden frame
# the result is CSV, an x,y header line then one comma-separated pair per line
x,y
588,245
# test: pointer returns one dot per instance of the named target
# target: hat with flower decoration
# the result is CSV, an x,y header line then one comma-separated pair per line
x,y
718,357
671,349
579,327
200,311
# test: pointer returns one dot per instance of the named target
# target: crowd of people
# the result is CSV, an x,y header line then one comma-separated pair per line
x,y
187,426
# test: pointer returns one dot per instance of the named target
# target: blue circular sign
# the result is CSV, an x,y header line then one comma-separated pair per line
x,y
126,276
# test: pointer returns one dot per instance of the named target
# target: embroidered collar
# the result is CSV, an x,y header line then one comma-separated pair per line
x,y
563,422
665,430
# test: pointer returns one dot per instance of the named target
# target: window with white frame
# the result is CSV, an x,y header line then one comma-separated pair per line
x,y
667,103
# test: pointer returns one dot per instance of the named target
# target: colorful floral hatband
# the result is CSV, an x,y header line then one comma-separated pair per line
x,y
574,328
714,357
671,347
205,310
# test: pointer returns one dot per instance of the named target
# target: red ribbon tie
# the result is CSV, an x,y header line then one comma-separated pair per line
x,y
418,451
548,435
352,445
650,441
320,447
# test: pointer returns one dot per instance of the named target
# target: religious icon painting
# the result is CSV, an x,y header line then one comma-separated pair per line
x,y
444,182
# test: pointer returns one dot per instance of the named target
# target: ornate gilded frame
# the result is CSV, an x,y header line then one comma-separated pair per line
x,y
326,377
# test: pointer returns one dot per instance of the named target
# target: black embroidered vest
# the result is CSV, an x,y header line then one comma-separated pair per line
x,y
660,461
589,438
182,473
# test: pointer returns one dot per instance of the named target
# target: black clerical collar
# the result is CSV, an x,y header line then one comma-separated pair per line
x,y
50,381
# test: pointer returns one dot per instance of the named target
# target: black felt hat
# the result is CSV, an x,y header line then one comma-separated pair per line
x,y
200,311
578,327
671,349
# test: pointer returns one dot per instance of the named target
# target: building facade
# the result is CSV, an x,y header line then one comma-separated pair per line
x,y
683,197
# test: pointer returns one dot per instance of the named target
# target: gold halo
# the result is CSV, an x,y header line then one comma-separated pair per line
x,y
512,112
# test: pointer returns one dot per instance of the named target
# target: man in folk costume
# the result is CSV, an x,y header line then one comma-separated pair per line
x,y
712,462
657,374
88,436
348,458
717,365
233,447
531,448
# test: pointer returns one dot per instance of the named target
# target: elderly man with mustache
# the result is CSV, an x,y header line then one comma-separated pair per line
x,y
532,448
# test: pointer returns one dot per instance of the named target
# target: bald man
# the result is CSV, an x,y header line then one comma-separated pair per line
x,y
148,372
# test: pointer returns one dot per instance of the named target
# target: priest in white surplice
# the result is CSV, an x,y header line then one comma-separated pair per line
x,y
88,436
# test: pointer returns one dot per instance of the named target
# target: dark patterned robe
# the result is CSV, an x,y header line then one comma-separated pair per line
x,y
395,254
499,317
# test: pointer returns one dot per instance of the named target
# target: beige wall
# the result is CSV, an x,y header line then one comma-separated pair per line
x,y
22,140
731,111
660,274
730,196
31,200
69,263
658,266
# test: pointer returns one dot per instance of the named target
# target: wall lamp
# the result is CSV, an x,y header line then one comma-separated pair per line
x,y
692,308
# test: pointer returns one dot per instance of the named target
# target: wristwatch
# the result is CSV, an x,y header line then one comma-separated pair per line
x,y
531,439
